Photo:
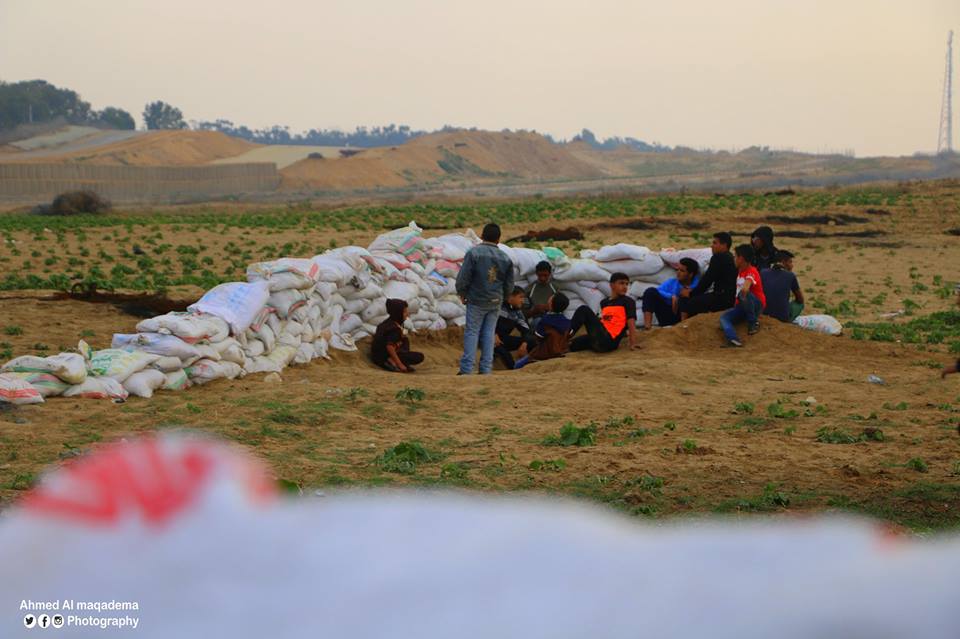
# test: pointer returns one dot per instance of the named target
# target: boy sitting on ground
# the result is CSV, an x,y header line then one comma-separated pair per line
x,y
750,299
552,333
539,293
511,319
663,301
618,317
390,349
778,282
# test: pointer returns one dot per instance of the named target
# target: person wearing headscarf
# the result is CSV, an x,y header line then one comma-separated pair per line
x,y
391,348
764,250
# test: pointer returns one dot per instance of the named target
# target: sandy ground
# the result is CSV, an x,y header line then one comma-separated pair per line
x,y
284,155
669,437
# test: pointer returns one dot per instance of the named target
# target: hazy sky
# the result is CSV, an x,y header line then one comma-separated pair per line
x,y
807,74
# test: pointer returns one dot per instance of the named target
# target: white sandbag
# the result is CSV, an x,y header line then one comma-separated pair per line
x,y
237,303
375,309
460,321
578,269
286,339
401,290
524,260
825,324
156,343
324,290
331,268
282,355
254,348
232,353
300,314
284,273
700,255
604,287
321,347
273,321
205,370
638,288
168,364
47,384
176,380
356,306
661,276
118,363
308,334
284,302
588,254
225,345
350,323
336,300
304,354
261,365
143,383
98,388
292,327
342,342
189,327
369,292
389,270
449,310
70,367
208,352
622,251
438,324
15,390
633,269
267,337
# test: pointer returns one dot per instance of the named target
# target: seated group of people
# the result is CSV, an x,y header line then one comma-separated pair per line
x,y
754,279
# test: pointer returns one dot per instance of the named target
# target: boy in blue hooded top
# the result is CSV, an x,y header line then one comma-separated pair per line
x,y
663,301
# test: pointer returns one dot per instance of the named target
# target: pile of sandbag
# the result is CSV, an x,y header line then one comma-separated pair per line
x,y
293,310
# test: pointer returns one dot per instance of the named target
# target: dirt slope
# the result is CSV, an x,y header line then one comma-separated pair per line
x,y
161,148
473,156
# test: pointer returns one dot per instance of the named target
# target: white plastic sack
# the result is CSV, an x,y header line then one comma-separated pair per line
x,y
401,291
70,367
700,255
47,384
15,390
98,388
176,380
167,364
578,269
284,302
634,269
237,303
622,251
206,370
118,363
287,272
156,343
826,324
190,327
143,383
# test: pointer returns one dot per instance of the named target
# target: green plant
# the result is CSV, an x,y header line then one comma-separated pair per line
x,y
355,394
12,330
689,445
743,408
455,471
827,435
917,464
410,396
405,457
554,465
777,411
571,435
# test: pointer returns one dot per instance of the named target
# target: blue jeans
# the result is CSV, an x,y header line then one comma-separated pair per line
x,y
747,310
481,326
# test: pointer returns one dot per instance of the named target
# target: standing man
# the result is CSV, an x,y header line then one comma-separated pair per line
x,y
484,282
721,275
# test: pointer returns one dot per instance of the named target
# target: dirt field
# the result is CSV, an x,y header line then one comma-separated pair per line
x,y
681,426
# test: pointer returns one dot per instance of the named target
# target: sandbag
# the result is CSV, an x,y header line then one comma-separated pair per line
x,y
350,323
208,352
304,354
333,269
282,355
189,327
634,269
237,303
621,251
448,310
284,273
525,260
578,269
206,370
167,364
156,343
176,380
401,291
267,337
254,348
98,388
376,309
47,384
825,324
356,306
15,390
324,290
70,367
143,383
293,328
701,256
287,339
369,292
321,347
118,363
284,302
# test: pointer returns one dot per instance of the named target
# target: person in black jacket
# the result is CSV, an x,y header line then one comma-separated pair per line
x,y
721,275
765,253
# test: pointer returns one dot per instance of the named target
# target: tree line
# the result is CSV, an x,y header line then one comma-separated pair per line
x,y
38,101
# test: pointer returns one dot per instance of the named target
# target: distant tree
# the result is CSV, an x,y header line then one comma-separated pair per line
x,y
116,119
39,101
160,115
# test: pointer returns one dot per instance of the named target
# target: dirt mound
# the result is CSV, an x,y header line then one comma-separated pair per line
x,y
161,148
473,156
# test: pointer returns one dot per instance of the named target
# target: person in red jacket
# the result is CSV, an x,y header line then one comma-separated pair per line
x,y
750,299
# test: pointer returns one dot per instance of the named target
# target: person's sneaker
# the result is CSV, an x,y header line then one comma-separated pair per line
x,y
754,329
734,343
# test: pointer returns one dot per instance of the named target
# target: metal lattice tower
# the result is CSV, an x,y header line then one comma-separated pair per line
x,y
945,138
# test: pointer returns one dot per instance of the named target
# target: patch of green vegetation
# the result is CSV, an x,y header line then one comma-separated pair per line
x,y
410,396
405,457
778,411
572,435
771,499
743,408
555,465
